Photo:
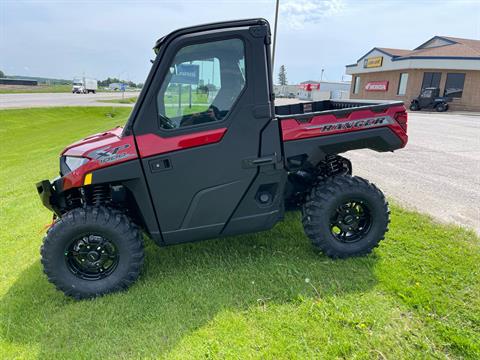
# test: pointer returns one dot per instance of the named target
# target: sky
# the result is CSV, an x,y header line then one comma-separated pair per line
x,y
65,39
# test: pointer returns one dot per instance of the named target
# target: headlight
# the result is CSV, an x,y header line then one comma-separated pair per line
x,y
72,163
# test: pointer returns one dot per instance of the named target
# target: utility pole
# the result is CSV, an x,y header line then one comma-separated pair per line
x,y
277,5
321,76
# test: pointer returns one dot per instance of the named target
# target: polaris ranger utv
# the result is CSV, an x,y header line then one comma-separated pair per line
x,y
430,98
206,154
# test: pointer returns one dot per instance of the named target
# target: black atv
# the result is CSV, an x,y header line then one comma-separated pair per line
x,y
430,98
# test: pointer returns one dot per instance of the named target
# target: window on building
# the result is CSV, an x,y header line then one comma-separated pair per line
x,y
402,84
203,83
454,85
431,79
356,85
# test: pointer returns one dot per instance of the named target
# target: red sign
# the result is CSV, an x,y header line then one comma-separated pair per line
x,y
377,86
310,87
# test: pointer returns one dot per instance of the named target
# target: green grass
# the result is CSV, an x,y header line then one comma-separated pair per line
x,y
37,89
40,89
128,100
265,295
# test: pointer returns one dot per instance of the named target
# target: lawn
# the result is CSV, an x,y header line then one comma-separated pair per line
x,y
18,89
127,100
35,89
265,295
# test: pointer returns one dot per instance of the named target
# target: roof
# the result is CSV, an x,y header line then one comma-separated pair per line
x,y
446,46
394,52
436,47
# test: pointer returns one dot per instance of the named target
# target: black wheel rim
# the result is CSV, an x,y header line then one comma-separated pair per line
x,y
350,221
91,257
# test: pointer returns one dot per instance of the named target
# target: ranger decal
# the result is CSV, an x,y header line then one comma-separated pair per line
x,y
346,125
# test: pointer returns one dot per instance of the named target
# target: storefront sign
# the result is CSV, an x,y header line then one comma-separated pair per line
x,y
377,86
310,87
373,62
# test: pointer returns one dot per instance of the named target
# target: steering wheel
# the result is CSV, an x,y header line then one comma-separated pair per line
x,y
166,123
201,117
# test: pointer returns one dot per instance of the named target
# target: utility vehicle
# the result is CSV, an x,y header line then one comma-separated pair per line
x,y
430,98
205,154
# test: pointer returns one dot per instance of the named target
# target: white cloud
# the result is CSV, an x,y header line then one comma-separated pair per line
x,y
299,13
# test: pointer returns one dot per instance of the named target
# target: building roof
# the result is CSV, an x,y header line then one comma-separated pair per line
x,y
437,52
394,52
437,47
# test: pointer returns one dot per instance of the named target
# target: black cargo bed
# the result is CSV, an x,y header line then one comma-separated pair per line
x,y
339,108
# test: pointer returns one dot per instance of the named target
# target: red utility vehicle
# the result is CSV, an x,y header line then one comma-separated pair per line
x,y
205,153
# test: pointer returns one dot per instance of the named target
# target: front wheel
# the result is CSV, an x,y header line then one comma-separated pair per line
x,y
345,216
414,106
92,251
441,107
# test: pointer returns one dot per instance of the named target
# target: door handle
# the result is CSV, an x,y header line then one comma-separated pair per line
x,y
262,161
160,164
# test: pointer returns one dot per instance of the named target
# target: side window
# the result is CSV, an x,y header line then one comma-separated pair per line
x,y
203,83
402,84
454,85
356,85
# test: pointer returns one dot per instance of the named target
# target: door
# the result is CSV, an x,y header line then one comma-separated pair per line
x,y
426,98
201,127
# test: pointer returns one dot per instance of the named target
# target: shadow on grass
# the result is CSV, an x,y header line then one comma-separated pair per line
x,y
182,288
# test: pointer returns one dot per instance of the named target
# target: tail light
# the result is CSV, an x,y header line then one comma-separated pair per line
x,y
402,118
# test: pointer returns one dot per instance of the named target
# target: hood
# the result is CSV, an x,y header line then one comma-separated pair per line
x,y
103,149
106,139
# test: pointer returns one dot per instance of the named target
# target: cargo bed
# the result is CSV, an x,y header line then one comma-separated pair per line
x,y
337,107
313,130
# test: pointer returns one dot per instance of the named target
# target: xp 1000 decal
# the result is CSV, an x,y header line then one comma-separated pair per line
x,y
110,154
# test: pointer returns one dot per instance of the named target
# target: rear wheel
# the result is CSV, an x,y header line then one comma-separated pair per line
x,y
345,216
441,107
92,251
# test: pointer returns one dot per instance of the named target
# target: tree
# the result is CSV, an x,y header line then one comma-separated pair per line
x,y
282,76
2,74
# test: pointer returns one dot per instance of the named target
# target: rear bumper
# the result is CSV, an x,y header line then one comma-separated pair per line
x,y
49,195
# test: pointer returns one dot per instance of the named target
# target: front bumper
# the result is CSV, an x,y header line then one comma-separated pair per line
x,y
49,194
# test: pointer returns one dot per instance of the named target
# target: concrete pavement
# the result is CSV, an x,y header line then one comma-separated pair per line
x,y
17,101
438,172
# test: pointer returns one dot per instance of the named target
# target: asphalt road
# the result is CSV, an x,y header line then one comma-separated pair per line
x,y
16,101
437,173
